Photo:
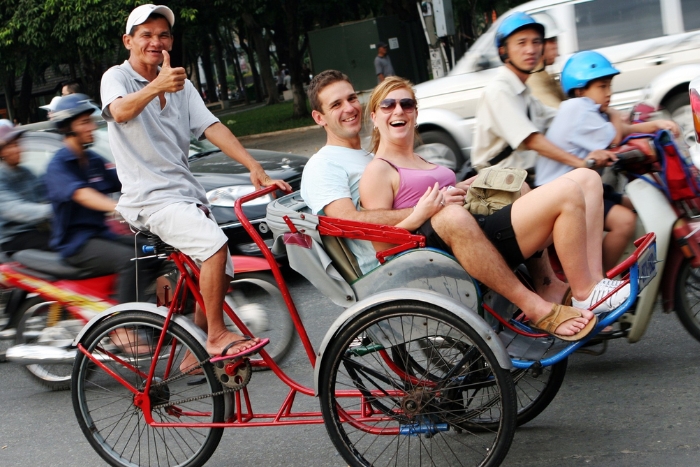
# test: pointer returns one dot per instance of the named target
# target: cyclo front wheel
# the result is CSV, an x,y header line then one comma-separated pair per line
x,y
379,411
106,410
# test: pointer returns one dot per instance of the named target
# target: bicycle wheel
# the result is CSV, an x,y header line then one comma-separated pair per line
x,y
106,410
258,302
47,323
409,418
534,390
687,296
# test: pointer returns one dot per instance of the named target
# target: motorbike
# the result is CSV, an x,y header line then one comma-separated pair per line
x,y
49,302
664,188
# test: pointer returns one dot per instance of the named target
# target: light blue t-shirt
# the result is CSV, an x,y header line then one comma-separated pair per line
x,y
578,128
334,173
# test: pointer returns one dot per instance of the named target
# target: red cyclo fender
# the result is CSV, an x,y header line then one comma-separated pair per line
x,y
249,264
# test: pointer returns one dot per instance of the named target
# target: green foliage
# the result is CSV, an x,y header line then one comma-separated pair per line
x,y
264,119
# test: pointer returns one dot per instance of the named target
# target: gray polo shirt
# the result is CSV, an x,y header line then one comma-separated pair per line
x,y
151,149
383,66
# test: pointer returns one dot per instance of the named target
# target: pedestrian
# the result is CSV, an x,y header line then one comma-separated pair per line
x,y
382,62
71,87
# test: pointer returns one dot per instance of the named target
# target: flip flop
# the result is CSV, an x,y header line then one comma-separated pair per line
x,y
560,314
242,353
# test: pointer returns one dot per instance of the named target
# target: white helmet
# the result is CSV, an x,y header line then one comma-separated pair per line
x,y
551,30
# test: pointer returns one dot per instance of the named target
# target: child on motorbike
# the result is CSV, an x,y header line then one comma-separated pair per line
x,y
586,123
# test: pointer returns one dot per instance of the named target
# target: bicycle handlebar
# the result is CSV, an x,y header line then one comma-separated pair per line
x,y
237,207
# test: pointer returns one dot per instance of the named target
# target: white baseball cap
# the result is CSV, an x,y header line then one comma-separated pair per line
x,y
141,13
51,106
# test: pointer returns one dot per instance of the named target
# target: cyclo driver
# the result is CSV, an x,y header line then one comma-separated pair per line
x,y
152,109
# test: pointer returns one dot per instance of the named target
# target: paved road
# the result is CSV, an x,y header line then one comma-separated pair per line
x,y
636,405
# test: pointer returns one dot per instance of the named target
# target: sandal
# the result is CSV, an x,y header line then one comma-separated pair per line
x,y
560,314
242,353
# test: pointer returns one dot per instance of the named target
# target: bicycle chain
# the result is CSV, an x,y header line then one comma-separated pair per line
x,y
188,399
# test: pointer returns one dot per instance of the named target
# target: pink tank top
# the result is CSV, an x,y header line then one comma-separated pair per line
x,y
414,182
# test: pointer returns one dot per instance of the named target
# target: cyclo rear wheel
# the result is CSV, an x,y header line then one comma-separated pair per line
x,y
107,415
415,418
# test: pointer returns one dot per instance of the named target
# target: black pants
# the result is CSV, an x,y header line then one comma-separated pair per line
x,y
31,240
101,257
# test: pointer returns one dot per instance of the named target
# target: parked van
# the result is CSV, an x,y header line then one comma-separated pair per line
x,y
654,43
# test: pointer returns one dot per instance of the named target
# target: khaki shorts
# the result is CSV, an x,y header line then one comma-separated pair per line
x,y
186,227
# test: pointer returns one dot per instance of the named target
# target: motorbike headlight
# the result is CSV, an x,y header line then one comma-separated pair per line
x,y
226,196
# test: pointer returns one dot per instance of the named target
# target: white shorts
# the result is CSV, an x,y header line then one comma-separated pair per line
x,y
186,227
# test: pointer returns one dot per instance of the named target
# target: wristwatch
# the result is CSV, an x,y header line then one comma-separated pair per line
x,y
590,163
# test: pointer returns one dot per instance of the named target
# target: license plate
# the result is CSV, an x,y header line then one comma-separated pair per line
x,y
647,266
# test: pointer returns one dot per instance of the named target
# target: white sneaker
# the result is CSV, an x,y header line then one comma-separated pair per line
x,y
601,289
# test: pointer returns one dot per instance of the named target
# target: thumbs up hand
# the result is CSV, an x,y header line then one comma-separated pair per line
x,y
170,79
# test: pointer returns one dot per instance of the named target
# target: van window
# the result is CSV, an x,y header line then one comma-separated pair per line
x,y
602,23
691,14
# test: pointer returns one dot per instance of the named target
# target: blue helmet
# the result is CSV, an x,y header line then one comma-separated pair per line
x,y
514,23
584,67
70,107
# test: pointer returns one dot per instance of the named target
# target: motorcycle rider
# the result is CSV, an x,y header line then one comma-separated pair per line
x,y
510,121
24,211
585,123
543,85
78,181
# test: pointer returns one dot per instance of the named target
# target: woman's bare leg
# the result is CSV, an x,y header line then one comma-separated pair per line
x,y
557,209
592,188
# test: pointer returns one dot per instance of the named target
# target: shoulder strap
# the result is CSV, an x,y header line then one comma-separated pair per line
x,y
382,159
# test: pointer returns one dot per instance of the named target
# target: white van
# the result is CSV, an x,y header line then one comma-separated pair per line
x,y
654,43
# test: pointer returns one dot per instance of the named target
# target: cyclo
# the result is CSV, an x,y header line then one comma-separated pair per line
x,y
410,374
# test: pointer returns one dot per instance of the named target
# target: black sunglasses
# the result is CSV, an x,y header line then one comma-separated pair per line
x,y
407,104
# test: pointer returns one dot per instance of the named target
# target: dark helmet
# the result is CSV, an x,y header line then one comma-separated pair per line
x,y
69,108
514,23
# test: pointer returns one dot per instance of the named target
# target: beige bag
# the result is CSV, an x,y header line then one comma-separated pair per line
x,y
493,189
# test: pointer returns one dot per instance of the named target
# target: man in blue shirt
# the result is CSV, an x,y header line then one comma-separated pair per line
x,y
78,181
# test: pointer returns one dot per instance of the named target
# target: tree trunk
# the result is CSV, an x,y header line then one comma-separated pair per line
x,y
239,76
25,94
257,85
263,52
295,59
208,72
10,94
220,66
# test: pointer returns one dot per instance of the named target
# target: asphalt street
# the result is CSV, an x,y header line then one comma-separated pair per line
x,y
636,405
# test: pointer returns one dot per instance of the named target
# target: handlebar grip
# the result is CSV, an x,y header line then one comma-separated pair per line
x,y
148,249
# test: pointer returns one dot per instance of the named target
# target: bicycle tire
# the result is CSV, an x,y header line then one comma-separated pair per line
x,y
687,298
258,301
105,409
408,409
